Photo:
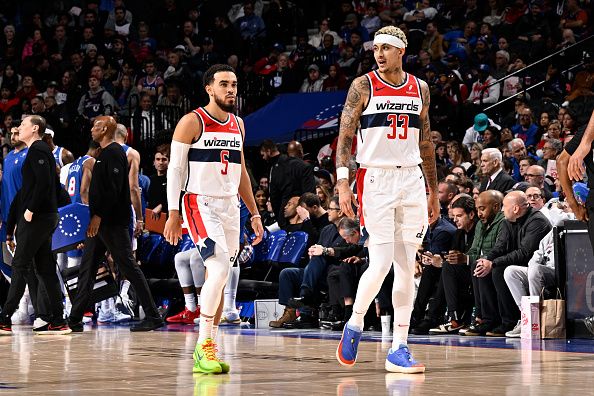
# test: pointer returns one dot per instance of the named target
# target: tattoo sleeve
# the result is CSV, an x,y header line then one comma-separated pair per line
x,y
349,121
425,144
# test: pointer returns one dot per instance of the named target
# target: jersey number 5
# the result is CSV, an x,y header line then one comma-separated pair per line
x,y
398,121
225,161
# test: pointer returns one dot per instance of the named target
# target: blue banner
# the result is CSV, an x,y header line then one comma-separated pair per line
x,y
288,113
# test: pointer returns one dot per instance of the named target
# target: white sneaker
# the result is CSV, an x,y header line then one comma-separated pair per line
x,y
20,317
120,317
197,321
230,318
516,332
39,323
105,316
87,319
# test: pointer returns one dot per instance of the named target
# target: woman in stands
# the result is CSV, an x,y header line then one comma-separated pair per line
x,y
264,208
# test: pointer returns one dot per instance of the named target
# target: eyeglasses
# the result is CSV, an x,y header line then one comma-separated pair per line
x,y
533,196
548,148
530,175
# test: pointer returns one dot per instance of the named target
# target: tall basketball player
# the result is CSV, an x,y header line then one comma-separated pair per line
x,y
391,108
207,164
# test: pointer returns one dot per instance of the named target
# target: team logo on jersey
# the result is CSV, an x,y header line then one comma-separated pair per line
x,y
412,106
215,142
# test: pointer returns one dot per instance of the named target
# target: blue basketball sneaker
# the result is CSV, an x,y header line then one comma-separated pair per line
x,y
346,353
401,361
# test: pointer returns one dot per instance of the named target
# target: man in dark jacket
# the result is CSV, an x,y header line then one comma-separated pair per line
x,y
492,167
289,177
37,218
521,232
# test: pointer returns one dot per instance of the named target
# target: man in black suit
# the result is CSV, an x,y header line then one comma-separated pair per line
x,y
492,167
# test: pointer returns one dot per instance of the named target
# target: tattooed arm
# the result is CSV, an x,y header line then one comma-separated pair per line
x,y
428,154
349,121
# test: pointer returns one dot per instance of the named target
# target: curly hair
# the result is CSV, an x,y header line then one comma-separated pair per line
x,y
393,31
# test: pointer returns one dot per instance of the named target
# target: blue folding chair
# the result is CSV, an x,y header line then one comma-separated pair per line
x,y
72,227
275,246
147,244
293,248
185,243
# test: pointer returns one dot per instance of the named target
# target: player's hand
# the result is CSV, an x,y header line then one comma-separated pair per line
x,y
575,166
93,228
258,230
28,216
433,207
580,211
173,228
346,198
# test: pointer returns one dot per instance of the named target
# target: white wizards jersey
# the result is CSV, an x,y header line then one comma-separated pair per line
x,y
214,160
390,125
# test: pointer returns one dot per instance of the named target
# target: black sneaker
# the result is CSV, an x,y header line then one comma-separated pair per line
x,y
53,329
302,322
76,327
478,330
422,328
499,331
148,325
300,302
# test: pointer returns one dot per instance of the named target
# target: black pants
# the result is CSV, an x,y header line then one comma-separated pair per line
x,y
116,239
510,314
485,296
34,258
430,293
457,288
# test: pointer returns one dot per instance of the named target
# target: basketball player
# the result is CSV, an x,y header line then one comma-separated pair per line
x,y
79,175
207,163
61,155
391,108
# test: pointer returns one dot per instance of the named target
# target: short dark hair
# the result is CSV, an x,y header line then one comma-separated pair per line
x,y
310,200
466,203
451,187
214,69
268,145
164,149
530,160
40,122
334,199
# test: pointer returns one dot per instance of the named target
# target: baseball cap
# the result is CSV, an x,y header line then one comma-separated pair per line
x,y
313,66
481,122
91,47
520,186
179,48
323,173
52,84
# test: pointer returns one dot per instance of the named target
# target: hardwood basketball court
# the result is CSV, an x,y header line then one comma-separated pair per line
x,y
110,360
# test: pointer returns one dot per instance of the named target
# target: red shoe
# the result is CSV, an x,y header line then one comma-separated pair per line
x,y
186,316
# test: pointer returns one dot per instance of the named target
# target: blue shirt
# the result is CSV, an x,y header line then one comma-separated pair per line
x,y
12,180
74,180
516,173
439,237
527,135
144,183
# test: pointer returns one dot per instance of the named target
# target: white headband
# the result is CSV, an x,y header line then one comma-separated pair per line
x,y
388,39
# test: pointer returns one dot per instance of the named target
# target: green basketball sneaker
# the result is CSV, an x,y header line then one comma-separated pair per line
x,y
205,358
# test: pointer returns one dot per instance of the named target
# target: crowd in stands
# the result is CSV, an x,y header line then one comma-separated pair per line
x,y
72,61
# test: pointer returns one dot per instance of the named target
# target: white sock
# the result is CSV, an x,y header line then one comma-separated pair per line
x,y
125,287
380,260
198,299
231,290
403,291
190,301
206,324
215,332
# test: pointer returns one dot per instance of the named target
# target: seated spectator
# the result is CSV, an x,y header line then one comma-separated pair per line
x,y
552,131
458,154
324,195
7,99
173,104
441,155
264,207
535,175
371,20
438,240
151,83
157,194
526,129
521,232
315,40
250,25
568,129
518,151
492,169
488,205
433,42
351,25
525,163
297,218
328,54
314,82
552,148
475,132
96,101
299,287
539,274
124,94
336,80
446,191
536,199
482,92
10,78
455,274
28,90
317,214
282,78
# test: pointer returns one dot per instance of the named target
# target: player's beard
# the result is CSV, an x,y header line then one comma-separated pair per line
x,y
229,108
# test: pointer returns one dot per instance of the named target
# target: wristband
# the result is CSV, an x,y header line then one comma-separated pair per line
x,y
256,216
342,173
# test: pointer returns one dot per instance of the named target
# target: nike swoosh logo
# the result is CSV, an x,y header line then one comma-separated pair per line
x,y
379,88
